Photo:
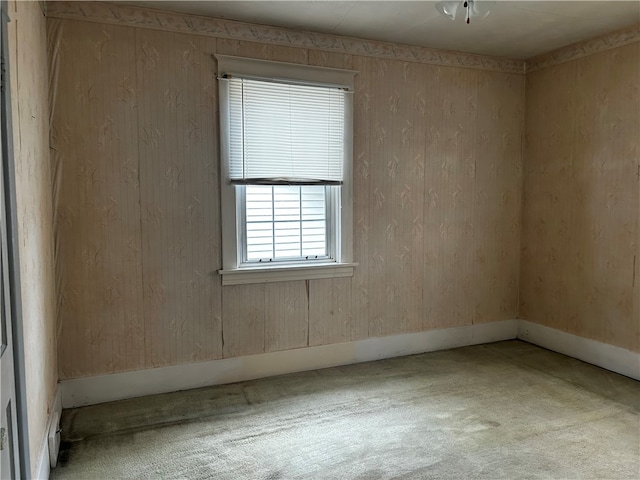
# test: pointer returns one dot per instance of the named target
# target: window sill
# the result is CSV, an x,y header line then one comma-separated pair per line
x,y
285,273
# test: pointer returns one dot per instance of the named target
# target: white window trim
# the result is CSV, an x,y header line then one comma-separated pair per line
x,y
285,273
343,265
332,214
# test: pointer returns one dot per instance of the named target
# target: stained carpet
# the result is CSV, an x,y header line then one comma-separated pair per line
x,y
504,410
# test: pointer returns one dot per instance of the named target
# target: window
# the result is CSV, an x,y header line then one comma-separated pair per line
x,y
286,223
286,139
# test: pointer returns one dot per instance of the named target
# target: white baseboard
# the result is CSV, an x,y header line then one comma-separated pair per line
x,y
105,388
44,469
44,466
616,359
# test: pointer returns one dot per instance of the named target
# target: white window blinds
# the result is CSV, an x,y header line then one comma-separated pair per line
x,y
281,133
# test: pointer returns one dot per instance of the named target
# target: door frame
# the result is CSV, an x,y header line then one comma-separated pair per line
x,y
15,296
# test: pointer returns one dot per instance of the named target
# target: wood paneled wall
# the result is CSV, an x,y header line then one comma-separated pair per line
x,y
27,46
437,186
581,207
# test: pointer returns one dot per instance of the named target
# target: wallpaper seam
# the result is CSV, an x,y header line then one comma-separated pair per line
x,y
17,87
54,34
523,159
140,222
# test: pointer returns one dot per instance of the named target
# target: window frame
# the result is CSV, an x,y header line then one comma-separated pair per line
x,y
332,213
234,271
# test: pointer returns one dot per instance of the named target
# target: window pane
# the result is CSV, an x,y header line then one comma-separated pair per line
x,y
287,239
259,203
286,203
285,222
314,238
313,203
259,240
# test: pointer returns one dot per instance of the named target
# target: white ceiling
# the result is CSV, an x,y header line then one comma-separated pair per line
x,y
514,29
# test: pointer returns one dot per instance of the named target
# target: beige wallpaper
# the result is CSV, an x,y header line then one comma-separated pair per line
x,y
581,197
437,162
29,92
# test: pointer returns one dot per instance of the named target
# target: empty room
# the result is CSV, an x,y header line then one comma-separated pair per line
x,y
320,239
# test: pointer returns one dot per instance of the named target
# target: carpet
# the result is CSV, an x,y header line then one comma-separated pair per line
x,y
503,410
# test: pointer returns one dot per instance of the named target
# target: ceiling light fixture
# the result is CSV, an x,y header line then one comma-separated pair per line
x,y
473,9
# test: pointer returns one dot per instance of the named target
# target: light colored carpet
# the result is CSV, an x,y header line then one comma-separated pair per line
x,y
505,410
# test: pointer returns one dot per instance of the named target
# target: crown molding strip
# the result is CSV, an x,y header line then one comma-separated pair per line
x,y
131,16
582,49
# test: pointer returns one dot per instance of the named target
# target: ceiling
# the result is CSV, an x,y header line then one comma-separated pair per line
x,y
514,29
